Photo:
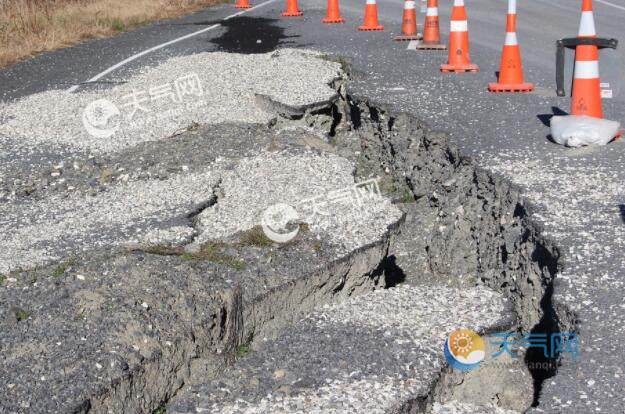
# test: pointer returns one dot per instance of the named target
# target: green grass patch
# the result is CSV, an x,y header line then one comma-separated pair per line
x,y
160,410
243,350
22,315
214,252
62,268
211,251
407,196
255,237
164,250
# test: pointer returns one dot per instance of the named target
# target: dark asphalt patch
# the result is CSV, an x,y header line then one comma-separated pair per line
x,y
250,35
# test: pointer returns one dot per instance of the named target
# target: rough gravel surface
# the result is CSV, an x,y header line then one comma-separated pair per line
x,y
127,264
482,125
320,188
57,227
456,407
157,102
578,192
372,353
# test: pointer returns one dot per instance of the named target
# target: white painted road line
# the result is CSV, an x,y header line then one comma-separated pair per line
x,y
412,45
162,45
607,3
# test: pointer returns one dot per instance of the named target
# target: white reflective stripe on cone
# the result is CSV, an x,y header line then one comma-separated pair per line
x,y
409,5
432,11
458,3
459,26
586,69
511,39
511,6
587,24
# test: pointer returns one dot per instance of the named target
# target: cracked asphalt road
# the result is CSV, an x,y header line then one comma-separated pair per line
x,y
578,194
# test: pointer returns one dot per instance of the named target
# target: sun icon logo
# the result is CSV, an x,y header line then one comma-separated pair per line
x,y
464,349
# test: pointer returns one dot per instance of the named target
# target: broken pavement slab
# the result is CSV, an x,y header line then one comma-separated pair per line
x,y
47,135
262,287
96,331
375,353
103,307
156,102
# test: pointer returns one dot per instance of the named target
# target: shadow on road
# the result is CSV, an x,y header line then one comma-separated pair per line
x,y
546,118
249,35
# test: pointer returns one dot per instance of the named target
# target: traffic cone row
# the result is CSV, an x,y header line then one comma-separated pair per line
x,y
586,95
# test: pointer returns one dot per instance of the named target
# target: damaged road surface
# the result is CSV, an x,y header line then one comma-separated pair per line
x,y
138,274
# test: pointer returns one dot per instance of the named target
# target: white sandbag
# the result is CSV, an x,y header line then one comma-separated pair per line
x,y
577,131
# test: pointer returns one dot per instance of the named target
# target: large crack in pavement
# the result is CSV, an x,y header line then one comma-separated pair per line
x,y
162,316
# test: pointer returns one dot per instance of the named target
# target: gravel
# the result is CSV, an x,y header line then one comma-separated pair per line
x,y
456,407
303,181
50,229
369,354
68,192
219,87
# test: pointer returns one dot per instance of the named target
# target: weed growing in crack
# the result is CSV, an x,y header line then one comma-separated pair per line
x,y
160,410
21,315
243,350
106,176
317,246
164,251
62,268
255,237
214,252
407,197
193,127
211,252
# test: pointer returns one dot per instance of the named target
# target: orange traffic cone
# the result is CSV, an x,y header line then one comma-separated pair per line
x,y
371,17
586,85
431,30
292,10
242,4
511,69
459,60
333,15
409,22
